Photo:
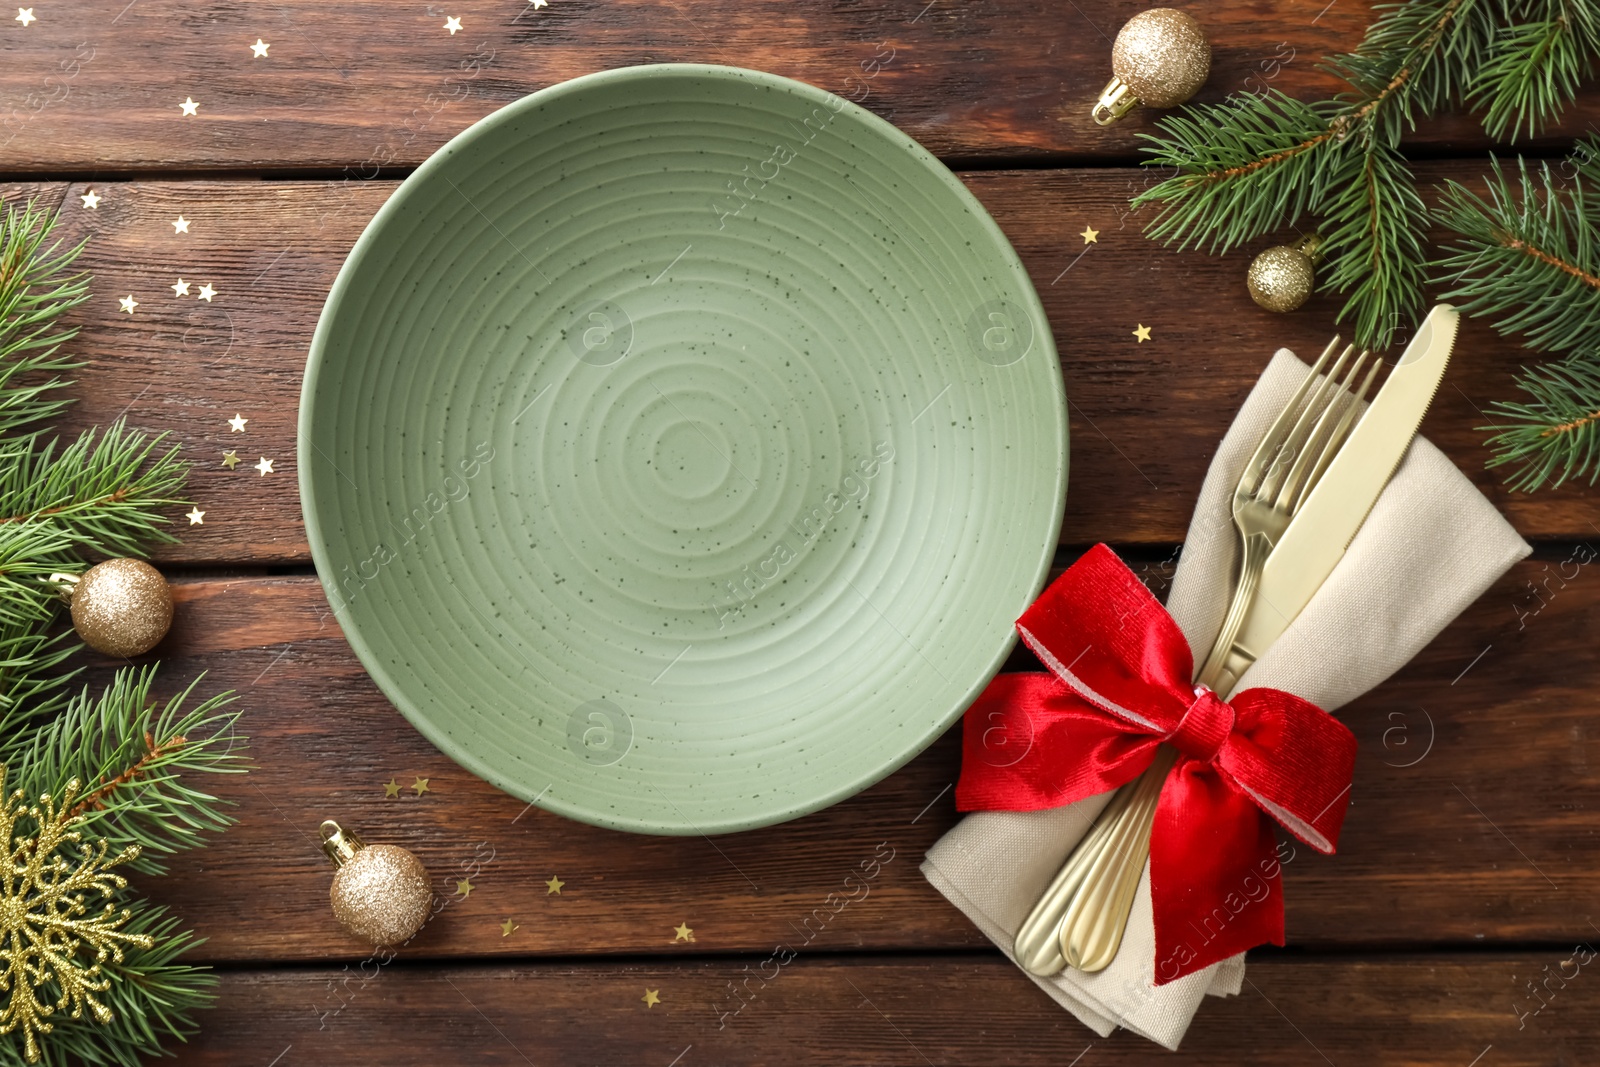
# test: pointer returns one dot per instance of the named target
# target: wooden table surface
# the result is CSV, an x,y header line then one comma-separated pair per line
x,y
1469,861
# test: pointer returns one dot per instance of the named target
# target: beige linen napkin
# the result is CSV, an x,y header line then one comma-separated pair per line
x,y
1430,547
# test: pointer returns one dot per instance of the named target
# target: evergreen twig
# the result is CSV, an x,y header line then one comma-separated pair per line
x,y
134,756
1554,435
1253,165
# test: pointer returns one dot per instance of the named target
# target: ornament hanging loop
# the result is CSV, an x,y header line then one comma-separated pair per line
x,y
63,584
338,844
1116,100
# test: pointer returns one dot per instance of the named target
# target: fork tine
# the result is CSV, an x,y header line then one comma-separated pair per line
x,y
1341,431
1320,439
1300,436
1266,452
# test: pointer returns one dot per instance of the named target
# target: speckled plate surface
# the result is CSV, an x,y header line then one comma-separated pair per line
x,y
678,445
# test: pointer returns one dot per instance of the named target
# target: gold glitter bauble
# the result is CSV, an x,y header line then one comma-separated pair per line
x,y
1281,278
121,607
380,893
1163,57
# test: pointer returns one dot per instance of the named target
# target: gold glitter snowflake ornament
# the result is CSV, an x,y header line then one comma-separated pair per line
x,y
51,939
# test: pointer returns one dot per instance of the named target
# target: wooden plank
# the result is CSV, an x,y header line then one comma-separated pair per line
x,y
1414,1010
1473,805
358,83
1145,416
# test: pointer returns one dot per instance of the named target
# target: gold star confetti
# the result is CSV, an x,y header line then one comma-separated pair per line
x,y
553,886
237,423
420,785
25,15
230,459
190,106
206,292
452,24
91,200
651,997
180,287
508,928
260,48
196,517
391,788
128,303
1142,333
1090,235
683,932
464,887
180,225
265,467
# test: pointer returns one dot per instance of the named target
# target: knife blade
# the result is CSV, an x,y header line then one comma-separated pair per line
x,y
1328,520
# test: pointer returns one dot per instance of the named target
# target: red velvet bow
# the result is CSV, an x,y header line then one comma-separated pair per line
x,y
1119,685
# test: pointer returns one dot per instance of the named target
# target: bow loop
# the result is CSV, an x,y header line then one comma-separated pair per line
x,y
1118,686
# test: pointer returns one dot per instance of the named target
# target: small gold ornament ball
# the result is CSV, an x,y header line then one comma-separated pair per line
x,y
1163,55
380,893
1281,278
121,607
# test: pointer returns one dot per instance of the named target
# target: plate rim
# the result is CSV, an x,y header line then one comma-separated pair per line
x,y
317,357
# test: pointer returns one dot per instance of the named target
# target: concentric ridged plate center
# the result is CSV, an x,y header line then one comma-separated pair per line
x,y
677,447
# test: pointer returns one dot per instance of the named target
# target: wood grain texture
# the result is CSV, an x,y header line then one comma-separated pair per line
x,y
96,86
1473,807
1400,1011
1145,417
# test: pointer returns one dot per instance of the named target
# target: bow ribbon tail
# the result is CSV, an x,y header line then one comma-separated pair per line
x,y
1214,873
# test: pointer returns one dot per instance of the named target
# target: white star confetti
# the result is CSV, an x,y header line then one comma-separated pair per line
x,y
260,48
265,466
180,287
452,24
190,106
180,225
91,200
206,292
237,422
196,517
128,303
25,15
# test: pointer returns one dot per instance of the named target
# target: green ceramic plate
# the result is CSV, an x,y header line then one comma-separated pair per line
x,y
678,445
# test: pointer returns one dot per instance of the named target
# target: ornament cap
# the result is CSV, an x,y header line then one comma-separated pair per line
x,y
1116,100
63,583
340,845
1310,246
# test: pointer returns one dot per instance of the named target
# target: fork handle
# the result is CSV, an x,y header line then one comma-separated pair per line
x,y
1257,547
1087,905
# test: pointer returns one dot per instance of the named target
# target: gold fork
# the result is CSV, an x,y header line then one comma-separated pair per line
x,y
1080,919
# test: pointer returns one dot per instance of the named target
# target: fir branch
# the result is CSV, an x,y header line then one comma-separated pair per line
x,y
1527,254
1373,234
1244,168
36,289
1555,434
1254,165
130,757
104,493
1535,66
58,501
1412,61
32,686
